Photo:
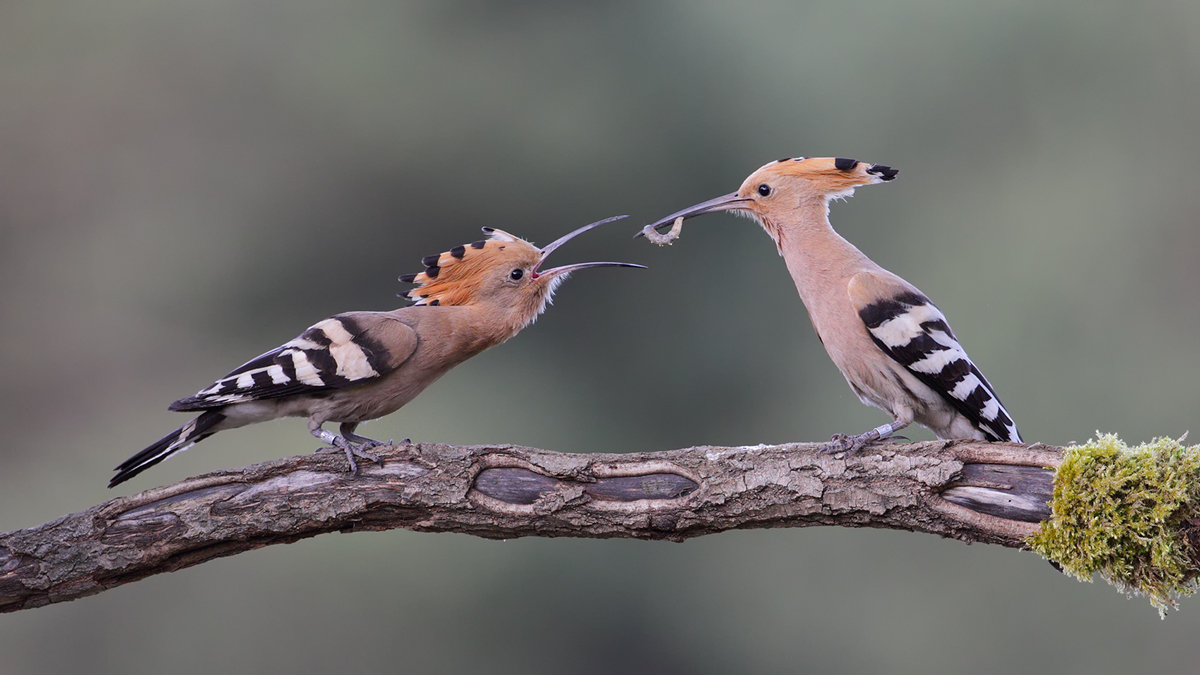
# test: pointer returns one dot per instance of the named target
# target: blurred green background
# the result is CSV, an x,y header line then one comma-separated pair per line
x,y
184,185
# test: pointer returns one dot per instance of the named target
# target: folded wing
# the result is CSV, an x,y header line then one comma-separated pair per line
x,y
914,333
341,351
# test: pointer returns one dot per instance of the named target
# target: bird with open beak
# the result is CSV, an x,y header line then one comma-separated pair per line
x,y
360,366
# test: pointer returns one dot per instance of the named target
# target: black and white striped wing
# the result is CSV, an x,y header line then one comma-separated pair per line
x,y
911,330
344,350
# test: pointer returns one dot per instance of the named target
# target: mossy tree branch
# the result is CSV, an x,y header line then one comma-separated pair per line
x,y
972,491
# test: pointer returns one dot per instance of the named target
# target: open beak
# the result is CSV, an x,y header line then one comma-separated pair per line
x,y
722,203
567,269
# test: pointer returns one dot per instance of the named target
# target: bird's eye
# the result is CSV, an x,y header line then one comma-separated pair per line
x,y
516,274
764,190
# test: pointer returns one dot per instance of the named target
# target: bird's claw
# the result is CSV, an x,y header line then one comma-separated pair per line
x,y
352,451
849,444
362,452
371,445
363,448
839,443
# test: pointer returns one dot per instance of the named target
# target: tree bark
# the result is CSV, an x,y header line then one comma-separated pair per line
x,y
972,491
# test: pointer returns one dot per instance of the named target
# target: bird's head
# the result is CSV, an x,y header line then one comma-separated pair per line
x,y
777,189
502,271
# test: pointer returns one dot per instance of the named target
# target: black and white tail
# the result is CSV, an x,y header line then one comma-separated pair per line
x,y
177,441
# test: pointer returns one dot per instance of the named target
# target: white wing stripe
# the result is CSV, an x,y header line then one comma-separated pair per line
x,y
964,388
277,374
351,359
991,409
900,330
305,371
936,361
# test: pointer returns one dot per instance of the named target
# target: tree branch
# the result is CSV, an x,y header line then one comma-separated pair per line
x,y
973,491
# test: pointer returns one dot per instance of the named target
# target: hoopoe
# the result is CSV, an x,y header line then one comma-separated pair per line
x,y
359,366
891,343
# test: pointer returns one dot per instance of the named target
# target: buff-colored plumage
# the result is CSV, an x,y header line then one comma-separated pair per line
x,y
893,346
360,366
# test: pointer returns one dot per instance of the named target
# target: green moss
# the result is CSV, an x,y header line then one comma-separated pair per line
x,y
1126,513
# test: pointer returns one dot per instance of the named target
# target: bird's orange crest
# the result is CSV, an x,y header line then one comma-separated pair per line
x,y
455,277
831,176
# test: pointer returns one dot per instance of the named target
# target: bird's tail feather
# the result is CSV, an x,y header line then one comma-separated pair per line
x,y
175,442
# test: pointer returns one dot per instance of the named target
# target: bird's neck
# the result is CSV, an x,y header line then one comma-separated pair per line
x,y
816,256
455,333
493,325
488,322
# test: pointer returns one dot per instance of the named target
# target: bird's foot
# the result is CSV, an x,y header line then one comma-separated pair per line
x,y
405,446
838,443
371,444
852,444
365,443
361,451
849,444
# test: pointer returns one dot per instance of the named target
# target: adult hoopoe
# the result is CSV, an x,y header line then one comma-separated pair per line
x,y
359,366
891,343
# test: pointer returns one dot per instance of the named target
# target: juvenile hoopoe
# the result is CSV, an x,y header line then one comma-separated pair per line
x,y
359,366
891,343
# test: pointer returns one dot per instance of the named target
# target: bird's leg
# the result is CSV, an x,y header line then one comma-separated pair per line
x,y
851,444
347,431
339,443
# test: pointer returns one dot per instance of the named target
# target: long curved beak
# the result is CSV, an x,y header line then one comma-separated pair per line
x,y
549,248
722,203
567,269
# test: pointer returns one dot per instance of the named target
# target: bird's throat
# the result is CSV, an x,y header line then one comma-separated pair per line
x,y
815,254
